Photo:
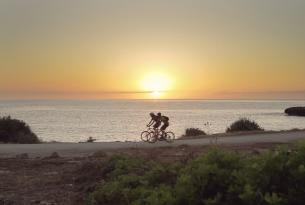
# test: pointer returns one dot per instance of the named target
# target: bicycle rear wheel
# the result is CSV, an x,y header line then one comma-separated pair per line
x,y
170,136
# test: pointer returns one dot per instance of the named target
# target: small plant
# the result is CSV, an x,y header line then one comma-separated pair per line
x,y
244,124
16,131
194,132
91,140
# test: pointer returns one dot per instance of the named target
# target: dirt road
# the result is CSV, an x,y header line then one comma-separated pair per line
x,y
86,149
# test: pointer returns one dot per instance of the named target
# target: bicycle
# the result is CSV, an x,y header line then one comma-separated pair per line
x,y
152,135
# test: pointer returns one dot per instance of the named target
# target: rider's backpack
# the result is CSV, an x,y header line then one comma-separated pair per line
x,y
165,118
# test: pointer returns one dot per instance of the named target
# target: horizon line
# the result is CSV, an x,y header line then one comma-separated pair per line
x,y
152,99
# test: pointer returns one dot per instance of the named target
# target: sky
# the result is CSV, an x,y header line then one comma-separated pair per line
x,y
135,49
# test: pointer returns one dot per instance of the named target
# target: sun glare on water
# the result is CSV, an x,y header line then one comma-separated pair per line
x,y
156,84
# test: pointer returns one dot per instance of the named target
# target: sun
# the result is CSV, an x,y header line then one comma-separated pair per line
x,y
156,84
156,94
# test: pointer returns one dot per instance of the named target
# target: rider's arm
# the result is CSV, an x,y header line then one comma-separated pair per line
x,y
150,123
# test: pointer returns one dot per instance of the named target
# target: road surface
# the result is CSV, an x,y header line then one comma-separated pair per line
x,y
86,149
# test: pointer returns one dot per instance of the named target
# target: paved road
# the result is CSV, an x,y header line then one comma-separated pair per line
x,y
86,149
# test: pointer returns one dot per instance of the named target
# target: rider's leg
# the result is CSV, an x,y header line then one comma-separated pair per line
x,y
156,126
156,132
163,131
163,128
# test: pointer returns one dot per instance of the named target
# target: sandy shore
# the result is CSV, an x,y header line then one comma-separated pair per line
x,y
86,149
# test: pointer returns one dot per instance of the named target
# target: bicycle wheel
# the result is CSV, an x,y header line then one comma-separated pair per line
x,y
145,136
152,138
170,136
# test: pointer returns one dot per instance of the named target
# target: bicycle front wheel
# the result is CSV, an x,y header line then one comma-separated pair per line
x,y
145,136
170,136
152,138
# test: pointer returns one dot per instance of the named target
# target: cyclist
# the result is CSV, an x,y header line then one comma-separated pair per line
x,y
155,120
165,121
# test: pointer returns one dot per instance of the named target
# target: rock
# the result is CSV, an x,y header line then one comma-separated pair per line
x,y
22,156
295,111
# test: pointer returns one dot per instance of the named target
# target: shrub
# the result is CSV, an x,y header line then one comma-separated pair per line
x,y
219,178
189,132
244,124
210,179
90,140
135,181
16,131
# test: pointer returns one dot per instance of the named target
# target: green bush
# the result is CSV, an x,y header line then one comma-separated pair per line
x,y
210,179
16,131
218,178
244,124
190,132
136,181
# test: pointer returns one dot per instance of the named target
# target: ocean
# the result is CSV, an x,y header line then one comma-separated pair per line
x,y
124,120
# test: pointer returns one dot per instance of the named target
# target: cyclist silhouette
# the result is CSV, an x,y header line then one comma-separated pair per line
x,y
165,121
153,135
155,121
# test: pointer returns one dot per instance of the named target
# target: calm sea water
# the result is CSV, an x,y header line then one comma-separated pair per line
x,y
120,120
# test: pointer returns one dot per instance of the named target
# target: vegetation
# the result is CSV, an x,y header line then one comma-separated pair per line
x,y
90,140
189,132
295,111
244,124
219,177
16,131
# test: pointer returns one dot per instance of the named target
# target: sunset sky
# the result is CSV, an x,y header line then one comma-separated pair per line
x,y
207,49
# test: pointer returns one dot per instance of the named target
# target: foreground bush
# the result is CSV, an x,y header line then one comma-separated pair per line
x,y
16,131
295,111
189,132
244,124
219,177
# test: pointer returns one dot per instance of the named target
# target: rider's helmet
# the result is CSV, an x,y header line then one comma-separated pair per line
x,y
159,114
152,114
